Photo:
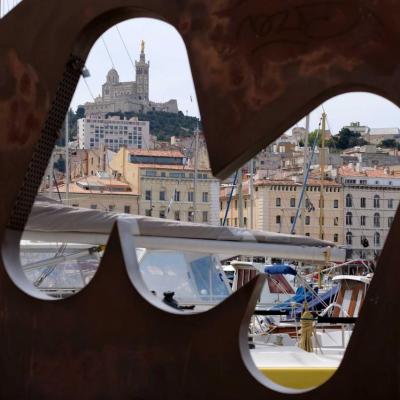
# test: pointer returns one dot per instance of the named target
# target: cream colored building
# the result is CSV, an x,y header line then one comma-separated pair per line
x,y
166,185
371,198
275,205
100,192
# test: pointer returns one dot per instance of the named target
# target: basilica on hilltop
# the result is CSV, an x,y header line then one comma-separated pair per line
x,y
128,96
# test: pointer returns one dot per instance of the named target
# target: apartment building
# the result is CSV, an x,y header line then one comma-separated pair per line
x,y
113,133
371,198
166,185
275,205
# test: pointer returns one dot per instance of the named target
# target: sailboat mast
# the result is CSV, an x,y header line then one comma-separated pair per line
x,y
240,197
196,167
305,168
322,178
251,190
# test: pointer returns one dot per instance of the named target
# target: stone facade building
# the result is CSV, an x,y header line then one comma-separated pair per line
x,y
275,204
130,96
165,184
371,198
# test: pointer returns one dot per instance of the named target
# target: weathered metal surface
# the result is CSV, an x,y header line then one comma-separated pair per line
x,y
258,67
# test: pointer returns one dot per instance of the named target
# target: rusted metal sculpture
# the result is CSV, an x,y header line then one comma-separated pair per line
x,y
258,67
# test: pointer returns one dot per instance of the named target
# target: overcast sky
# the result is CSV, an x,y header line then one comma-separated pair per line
x,y
170,76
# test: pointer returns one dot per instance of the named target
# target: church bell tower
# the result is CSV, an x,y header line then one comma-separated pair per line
x,y
142,75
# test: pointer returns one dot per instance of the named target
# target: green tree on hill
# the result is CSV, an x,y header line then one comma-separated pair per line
x,y
389,144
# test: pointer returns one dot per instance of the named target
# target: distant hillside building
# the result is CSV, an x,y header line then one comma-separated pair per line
x,y
130,96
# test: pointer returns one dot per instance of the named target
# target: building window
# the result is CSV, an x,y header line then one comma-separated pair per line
x,y
307,234
390,203
148,195
177,216
363,202
349,218
245,221
291,219
307,220
75,205
191,216
336,221
377,220
227,221
236,224
278,202
278,219
111,207
191,197
363,241
148,212
162,213
235,204
377,239
177,196
335,203
127,209
205,197
349,238
349,200
205,216
363,220
376,201
162,195
390,221
292,202
335,237
93,206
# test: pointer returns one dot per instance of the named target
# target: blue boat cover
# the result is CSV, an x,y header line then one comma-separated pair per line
x,y
283,269
301,295
316,303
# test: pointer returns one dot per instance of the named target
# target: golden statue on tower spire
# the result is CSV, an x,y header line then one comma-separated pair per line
x,y
142,46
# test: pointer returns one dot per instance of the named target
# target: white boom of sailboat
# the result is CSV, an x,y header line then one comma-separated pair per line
x,y
53,222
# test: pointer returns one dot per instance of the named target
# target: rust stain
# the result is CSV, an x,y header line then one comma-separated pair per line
x,y
24,111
